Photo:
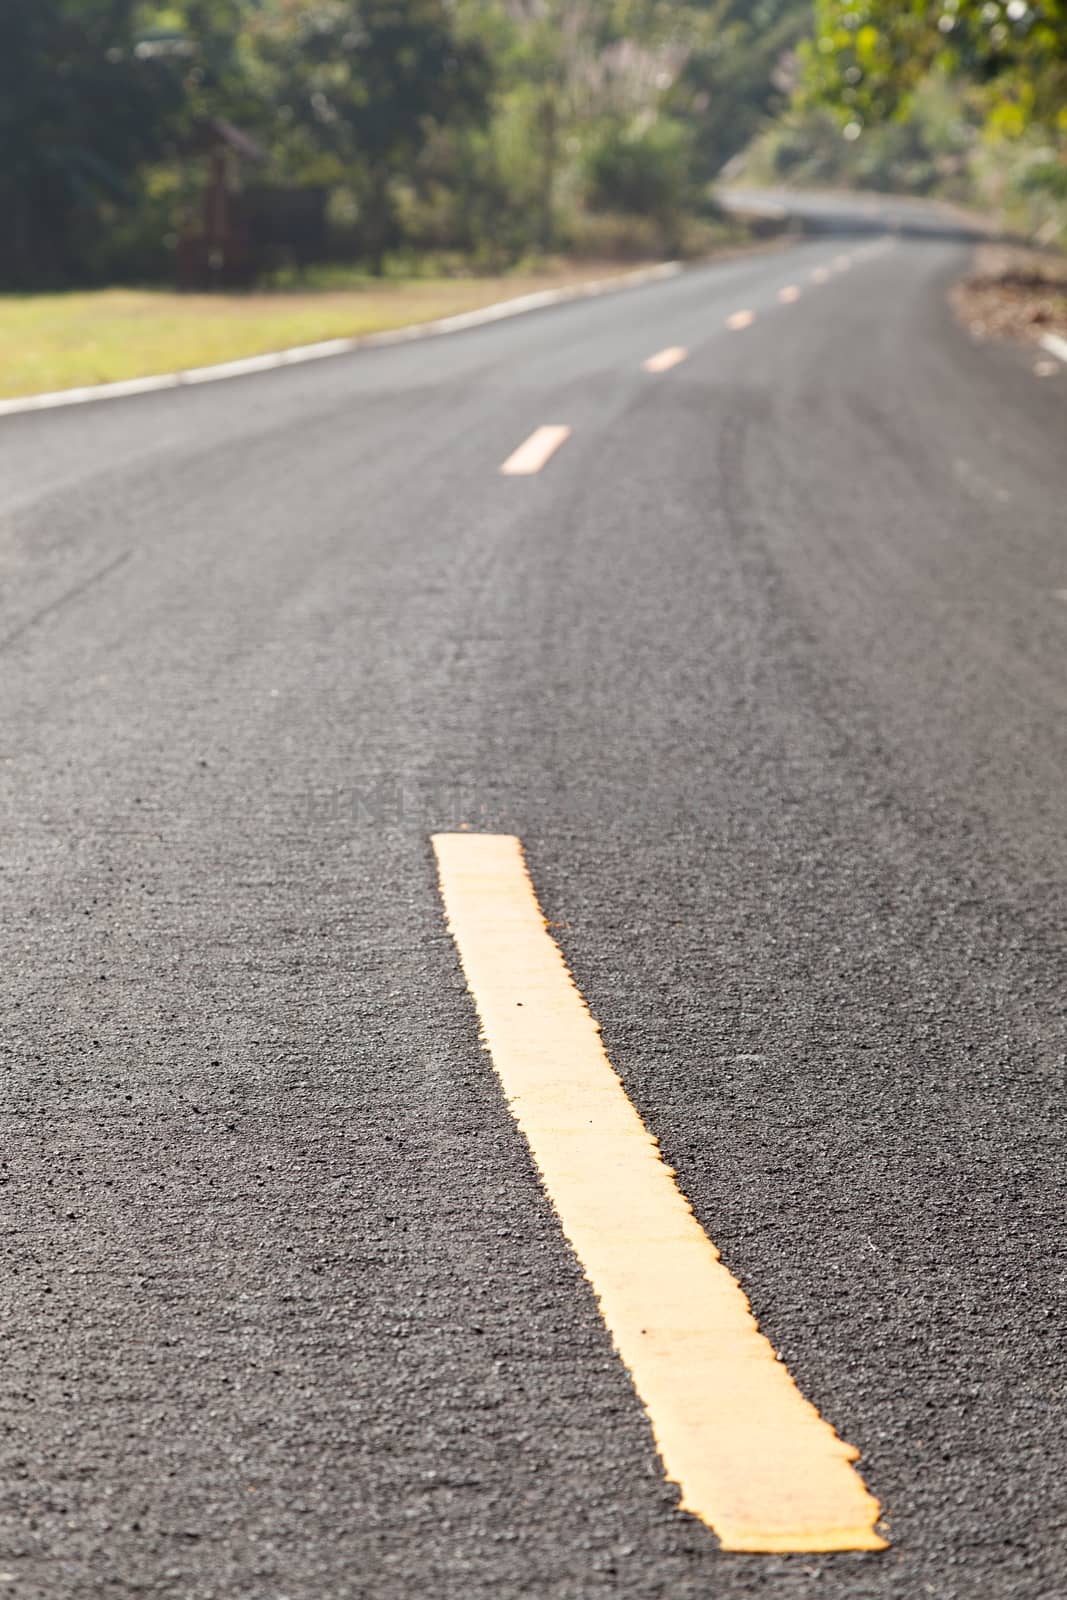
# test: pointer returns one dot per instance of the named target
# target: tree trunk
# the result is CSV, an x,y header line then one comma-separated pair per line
x,y
379,218
550,161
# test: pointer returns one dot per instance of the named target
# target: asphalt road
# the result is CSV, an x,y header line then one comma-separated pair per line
x,y
765,668
821,211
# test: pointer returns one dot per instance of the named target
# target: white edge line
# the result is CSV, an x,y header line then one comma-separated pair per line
x,y
299,354
1054,345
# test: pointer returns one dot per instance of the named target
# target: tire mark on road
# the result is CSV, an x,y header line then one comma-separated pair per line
x,y
73,593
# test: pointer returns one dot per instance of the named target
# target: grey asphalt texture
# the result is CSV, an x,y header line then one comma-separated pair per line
x,y
767,671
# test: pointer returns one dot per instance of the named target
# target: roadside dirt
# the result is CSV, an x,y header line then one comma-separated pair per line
x,y
1014,293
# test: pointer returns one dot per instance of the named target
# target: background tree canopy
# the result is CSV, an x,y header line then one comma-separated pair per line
x,y
144,137
964,98
868,57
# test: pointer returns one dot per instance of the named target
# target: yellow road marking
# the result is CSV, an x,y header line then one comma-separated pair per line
x,y
753,1458
820,275
666,359
532,455
789,294
842,263
741,319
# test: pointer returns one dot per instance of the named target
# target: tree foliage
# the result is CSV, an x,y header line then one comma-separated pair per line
x,y
868,57
740,74
80,113
487,126
368,82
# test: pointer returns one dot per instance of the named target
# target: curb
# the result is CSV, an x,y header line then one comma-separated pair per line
x,y
1054,345
299,354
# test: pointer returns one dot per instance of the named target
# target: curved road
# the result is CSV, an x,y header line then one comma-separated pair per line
x,y
764,667
844,211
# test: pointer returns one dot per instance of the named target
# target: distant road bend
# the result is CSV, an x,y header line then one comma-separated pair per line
x,y
717,623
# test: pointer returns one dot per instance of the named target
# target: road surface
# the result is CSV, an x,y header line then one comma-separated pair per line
x,y
762,660
839,211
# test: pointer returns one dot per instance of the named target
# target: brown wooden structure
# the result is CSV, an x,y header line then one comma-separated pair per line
x,y
215,248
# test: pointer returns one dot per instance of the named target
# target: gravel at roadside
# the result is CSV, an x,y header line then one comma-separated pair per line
x,y
1014,293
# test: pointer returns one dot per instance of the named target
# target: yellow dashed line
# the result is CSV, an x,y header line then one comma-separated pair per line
x,y
666,359
538,449
741,319
753,1458
789,294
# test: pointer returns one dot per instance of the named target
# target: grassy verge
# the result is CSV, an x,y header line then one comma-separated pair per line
x,y
61,341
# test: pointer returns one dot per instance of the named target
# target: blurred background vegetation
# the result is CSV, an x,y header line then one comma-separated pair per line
x,y
221,143
961,99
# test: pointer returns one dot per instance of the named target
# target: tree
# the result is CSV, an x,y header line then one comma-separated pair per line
x,y
869,56
368,81
645,170
575,77
80,111
489,126
738,73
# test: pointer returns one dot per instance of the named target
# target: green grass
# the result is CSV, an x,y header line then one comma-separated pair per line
x,y
61,341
